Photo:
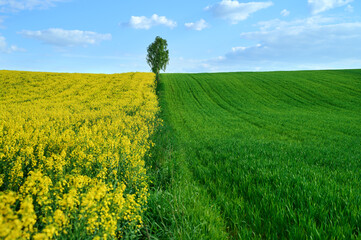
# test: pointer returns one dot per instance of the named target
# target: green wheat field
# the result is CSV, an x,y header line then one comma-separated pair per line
x,y
274,155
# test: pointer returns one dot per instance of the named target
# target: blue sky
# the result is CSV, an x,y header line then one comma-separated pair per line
x,y
111,36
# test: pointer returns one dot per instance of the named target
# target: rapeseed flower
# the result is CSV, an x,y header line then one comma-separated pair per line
x,y
72,150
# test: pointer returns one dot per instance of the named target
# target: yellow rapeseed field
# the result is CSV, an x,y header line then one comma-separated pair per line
x,y
72,150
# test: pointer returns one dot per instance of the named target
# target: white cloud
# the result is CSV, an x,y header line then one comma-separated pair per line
x,y
311,37
19,5
240,49
198,26
4,48
310,43
66,38
236,49
235,11
142,22
285,12
318,6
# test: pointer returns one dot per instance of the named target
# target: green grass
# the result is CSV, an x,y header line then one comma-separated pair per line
x,y
272,155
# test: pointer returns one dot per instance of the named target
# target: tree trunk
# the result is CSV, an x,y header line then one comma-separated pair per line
x,y
157,79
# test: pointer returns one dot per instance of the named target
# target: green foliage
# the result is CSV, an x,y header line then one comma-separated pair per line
x,y
258,156
158,55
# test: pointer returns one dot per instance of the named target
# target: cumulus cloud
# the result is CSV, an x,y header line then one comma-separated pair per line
x,y
5,48
142,22
235,11
66,38
198,26
307,38
19,5
285,12
318,6
241,49
310,43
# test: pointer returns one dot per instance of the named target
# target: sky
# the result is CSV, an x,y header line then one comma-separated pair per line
x,y
112,36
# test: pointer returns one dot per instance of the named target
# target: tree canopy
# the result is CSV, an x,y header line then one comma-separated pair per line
x,y
158,55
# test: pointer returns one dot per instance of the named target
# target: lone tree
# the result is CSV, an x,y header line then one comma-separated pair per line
x,y
158,55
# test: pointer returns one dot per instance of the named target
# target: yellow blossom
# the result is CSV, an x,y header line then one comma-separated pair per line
x,y
72,150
